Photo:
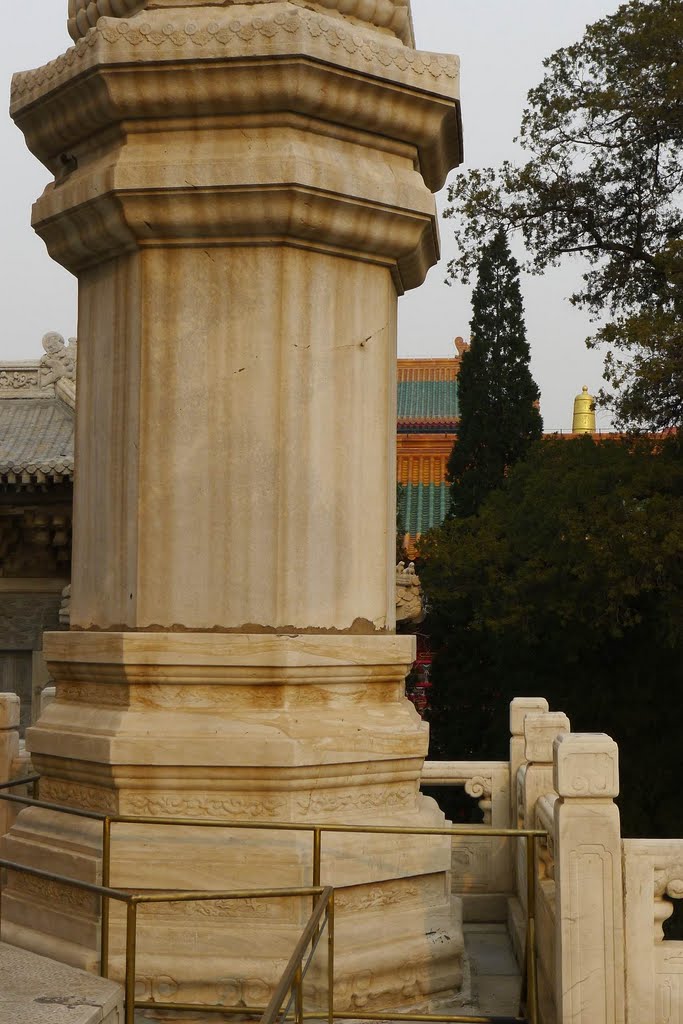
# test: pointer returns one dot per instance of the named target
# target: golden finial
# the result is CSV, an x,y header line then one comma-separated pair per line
x,y
584,413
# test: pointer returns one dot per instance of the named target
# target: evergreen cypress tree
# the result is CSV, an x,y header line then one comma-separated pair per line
x,y
497,394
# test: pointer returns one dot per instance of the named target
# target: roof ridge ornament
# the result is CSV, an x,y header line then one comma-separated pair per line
x,y
59,360
392,16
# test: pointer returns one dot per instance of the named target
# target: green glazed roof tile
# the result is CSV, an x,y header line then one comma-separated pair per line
x,y
423,506
426,400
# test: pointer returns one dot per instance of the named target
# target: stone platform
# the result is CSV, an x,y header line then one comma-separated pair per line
x,y
35,990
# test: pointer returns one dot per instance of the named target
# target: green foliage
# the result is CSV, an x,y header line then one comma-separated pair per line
x,y
604,181
498,417
568,585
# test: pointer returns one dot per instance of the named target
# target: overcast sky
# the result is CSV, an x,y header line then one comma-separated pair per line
x,y
501,45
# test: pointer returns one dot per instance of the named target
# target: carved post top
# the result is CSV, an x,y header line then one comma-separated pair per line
x,y
586,766
540,730
391,16
520,707
10,706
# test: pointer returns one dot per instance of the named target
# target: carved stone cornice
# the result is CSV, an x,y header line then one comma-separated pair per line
x,y
405,239
160,130
391,16
368,84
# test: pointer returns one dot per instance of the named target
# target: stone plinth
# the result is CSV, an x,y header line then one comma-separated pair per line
x,y
267,728
242,190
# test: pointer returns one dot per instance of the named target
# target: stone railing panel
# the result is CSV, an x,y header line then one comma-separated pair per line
x,y
480,867
653,871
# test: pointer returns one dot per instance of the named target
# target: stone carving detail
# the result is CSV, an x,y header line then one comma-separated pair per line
x,y
83,14
409,603
162,696
478,786
16,380
393,15
667,882
586,766
228,991
215,908
480,789
374,897
337,802
236,31
93,693
54,893
65,607
59,360
160,806
77,794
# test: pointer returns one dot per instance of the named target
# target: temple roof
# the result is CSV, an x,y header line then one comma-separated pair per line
x,y
36,440
428,394
427,405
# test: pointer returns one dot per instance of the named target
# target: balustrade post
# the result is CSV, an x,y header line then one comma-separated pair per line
x,y
10,707
520,707
588,881
540,732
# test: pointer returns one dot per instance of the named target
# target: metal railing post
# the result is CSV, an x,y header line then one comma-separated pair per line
x,y
532,981
131,929
298,997
317,845
330,959
106,872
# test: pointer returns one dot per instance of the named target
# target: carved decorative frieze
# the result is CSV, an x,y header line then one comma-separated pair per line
x,y
169,805
214,909
64,897
366,798
18,380
390,15
77,794
113,694
376,897
200,34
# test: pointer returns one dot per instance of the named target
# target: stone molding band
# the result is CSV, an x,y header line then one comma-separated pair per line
x,y
389,15
228,649
410,95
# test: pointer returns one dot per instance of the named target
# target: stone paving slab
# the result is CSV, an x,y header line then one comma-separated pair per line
x,y
37,990
496,980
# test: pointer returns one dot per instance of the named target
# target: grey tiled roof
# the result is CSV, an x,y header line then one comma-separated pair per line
x,y
36,438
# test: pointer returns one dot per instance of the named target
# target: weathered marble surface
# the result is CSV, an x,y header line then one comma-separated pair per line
x,y
243,192
35,990
391,16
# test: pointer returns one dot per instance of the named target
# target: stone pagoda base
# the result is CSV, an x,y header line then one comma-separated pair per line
x,y
261,727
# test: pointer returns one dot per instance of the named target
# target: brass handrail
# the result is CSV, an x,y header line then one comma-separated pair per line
x,y
19,782
295,971
529,976
133,900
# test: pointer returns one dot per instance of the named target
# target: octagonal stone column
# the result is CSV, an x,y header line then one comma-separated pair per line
x,y
243,191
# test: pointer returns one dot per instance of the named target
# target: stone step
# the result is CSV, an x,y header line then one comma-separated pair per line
x,y
37,990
